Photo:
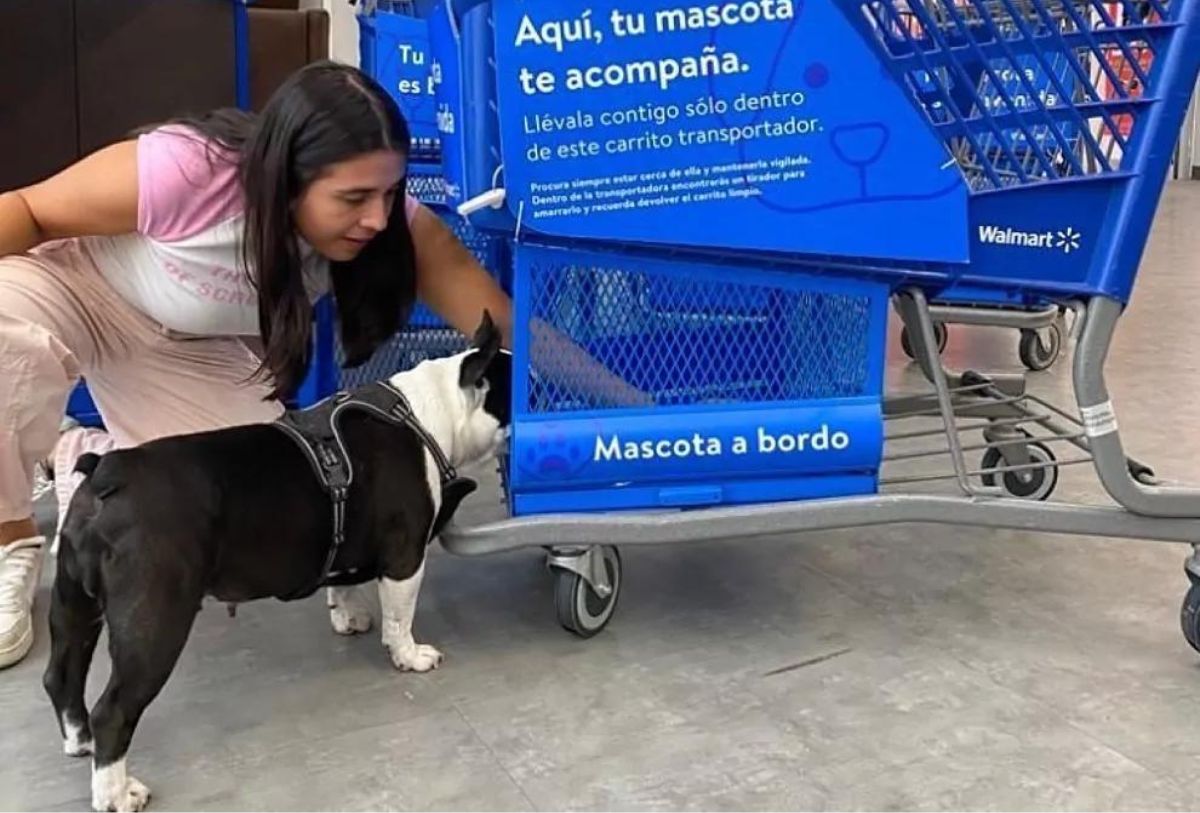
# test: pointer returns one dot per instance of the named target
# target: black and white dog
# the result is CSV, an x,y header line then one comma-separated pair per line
x,y
245,513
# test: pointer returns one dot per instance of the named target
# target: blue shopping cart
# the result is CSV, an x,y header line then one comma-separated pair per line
x,y
714,206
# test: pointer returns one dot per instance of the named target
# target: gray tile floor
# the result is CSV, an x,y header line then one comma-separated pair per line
x,y
949,668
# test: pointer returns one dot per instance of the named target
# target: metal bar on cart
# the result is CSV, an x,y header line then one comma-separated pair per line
x,y
914,310
1017,468
975,447
994,317
975,427
962,410
1096,407
775,519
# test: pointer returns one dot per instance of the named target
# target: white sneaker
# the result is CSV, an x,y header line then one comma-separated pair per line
x,y
20,569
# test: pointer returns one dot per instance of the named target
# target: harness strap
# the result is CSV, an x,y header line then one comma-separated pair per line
x,y
317,431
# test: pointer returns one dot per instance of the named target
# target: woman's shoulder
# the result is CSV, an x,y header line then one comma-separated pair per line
x,y
187,183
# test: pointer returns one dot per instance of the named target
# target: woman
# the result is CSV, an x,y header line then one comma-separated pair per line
x,y
176,271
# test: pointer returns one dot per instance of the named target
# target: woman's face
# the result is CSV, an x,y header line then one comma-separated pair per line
x,y
349,203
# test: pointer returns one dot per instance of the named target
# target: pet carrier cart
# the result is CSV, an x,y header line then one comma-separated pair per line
x,y
716,201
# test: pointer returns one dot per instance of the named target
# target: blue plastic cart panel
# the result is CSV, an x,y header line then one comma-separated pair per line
x,y
770,127
394,50
764,385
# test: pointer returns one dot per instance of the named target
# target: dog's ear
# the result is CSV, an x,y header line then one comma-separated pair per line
x,y
486,345
487,333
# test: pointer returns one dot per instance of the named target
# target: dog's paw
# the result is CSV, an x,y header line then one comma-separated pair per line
x,y
348,621
415,657
129,797
77,748
78,741
348,611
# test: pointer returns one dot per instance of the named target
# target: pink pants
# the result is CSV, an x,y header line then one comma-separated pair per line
x,y
59,319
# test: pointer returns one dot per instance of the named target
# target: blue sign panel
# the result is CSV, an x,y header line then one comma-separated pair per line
x,y
745,124
831,438
401,63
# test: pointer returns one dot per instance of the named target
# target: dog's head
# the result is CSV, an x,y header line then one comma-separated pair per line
x,y
466,397
485,381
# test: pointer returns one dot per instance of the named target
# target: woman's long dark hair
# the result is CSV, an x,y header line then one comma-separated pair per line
x,y
325,113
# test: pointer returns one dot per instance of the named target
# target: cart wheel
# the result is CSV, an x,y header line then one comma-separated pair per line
x,y
1037,353
1189,616
940,332
1028,484
580,609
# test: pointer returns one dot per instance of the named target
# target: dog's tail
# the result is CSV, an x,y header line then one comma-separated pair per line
x,y
87,463
102,481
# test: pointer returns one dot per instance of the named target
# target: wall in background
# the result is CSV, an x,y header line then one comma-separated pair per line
x,y
343,28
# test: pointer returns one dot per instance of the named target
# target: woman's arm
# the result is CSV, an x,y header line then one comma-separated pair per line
x,y
456,287
97,195
452,282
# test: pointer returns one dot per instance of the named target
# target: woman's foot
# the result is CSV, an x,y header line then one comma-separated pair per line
x,y
20,571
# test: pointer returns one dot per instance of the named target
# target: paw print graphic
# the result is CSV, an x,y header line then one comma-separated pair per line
x,y
554,456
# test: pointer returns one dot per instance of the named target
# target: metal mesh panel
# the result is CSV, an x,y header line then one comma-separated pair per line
x,y
689,338
1025,91
406,350
427,185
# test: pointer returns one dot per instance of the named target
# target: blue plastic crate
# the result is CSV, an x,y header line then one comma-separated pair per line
x,y
790,364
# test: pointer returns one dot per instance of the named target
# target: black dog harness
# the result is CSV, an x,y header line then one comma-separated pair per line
x,y
317,430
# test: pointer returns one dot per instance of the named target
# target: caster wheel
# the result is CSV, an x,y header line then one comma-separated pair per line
x,y
940,332
1027,484
1189,616
580,609
1037,352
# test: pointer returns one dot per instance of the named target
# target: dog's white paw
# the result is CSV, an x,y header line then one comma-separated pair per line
x,y
125,796
77,748
74,743
348,621
348,611
415,657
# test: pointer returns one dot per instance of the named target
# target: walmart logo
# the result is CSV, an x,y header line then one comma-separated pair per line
x,y
1065,240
